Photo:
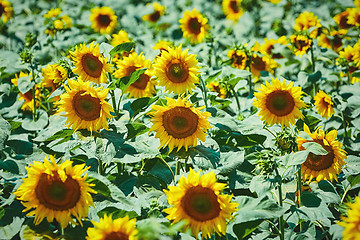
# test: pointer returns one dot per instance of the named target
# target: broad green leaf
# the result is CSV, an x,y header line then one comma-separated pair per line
x,y
212,77
9,231
135,129
242,230
248,140
313,78
14,125
326,191
25,84
124,82
66,133
40,123
315,148
141,104
5,129
123,47
230,161
295,158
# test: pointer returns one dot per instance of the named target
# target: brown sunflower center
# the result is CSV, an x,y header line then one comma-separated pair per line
x,y
324,103
280,103
141,82
239,59
194,26
116,236
343,22
103,20
180,122
234,6
201,204
91,65
56,194
337,42
28,96
155,16
2,10
320,162
258,63
300,44
86,107
177,72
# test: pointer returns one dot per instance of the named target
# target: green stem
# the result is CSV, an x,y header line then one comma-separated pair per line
x,y
112,93
204,91
272,224
178,166
122,93
120,167
344,195
250,85
101,170
236,98
267,129
33,91
299,188
327,234
163,160
345,128
281,219
312,58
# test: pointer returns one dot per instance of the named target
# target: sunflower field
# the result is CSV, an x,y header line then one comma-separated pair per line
x,y
179,119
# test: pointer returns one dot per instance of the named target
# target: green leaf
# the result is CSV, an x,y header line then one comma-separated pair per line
x,y
248,140
123,47
141,104
213,76
230,162
14,125
66,133
296,158
326,191
25,84
313,78
5,129
251,209
99,187
242,230
106,49
315,148
9,231
124,82
356,74
40,123
135,129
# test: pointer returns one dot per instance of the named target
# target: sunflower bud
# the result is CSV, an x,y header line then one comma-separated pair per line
x,y
286,141
26,55
30,40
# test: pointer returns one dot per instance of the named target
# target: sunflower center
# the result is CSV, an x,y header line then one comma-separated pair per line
x,y
258,63
154,17
86,107
300,44
91,65
180,122
194,26
56,194
337,42
280,103
141,82
201,204
343,22
234,6
103,20
320,162
177,72
116,236
239,59
2,10
28,95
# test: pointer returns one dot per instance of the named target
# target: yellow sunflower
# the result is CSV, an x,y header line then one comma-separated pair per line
x,y
176,70
268,46
6,11
323,104
85,106
194,26
341,19
232,9
179,124
107,228
262,63
335,42
28,97
307,20
353,80
103,20
301,44
356,57
120,37
198,200
351,223
238,58
354,17
348,53
322,167
144,86
90,65
279,103
54,76
274,1
216,87
56,191
52,13
159,10
162,46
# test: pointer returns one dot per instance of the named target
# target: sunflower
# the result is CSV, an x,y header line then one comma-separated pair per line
x,y
90,65
28,97
268,46
216,87
103,20
348,53
322,167
179,124
307,20
107,228
57,191
194,26
274,1
162,46
351,223
279,103
85,106
144,85
341,19
238,58
120,37
54,76
6,10
353,80
198,200
176,70
232,9
159,10
52,13
262,63
300,44
323,104
335,41
354,17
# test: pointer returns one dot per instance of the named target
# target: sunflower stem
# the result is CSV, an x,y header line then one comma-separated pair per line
x,y
120,167
236,98
101,170
250,86
112,93
167,165
267,129
203,88
33,91
299,189
312,58
345,128
281,219
62,231
178,166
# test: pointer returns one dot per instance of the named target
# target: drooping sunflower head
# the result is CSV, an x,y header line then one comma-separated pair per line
x,y
159,10
216,87
54,75
179,124
198,201
103,20
56,191
262,63
6,11
305,21
351,222
322,167
108,229
300,44
90,65
176,70
279,103
232,9
85,106
144,86
238,58
120,37
323,104
194,26
341,19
